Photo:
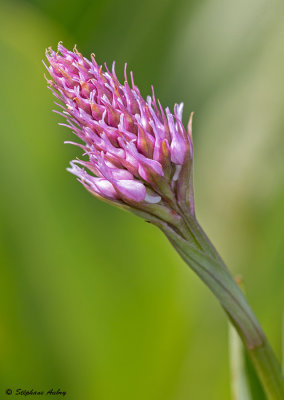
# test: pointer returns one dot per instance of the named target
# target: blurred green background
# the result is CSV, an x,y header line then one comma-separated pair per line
x,y
94,300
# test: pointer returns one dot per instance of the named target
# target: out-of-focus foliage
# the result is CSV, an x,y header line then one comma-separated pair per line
x,y
92,299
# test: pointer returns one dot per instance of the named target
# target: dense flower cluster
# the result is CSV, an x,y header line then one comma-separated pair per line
x,y
137,153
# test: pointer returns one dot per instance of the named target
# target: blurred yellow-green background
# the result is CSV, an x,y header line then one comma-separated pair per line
x,y
94,300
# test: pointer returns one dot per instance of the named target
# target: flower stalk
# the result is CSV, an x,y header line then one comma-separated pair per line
x,y
219,280
138,156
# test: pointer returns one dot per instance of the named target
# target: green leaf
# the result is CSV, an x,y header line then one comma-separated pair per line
x,y
240,387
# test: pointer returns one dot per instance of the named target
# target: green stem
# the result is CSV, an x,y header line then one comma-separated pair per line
x,y
269,370
198,252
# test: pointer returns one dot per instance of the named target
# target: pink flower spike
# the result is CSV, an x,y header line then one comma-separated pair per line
x,y
134,152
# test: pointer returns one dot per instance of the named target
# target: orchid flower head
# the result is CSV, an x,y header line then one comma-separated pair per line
x,y
135,154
